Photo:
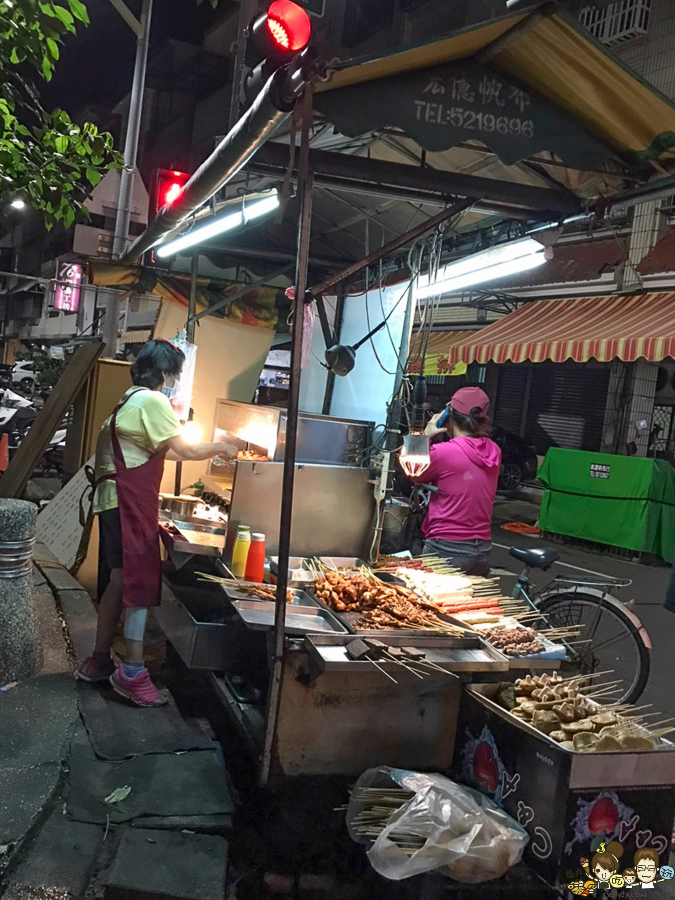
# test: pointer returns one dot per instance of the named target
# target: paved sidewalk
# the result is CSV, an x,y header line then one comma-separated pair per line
x,y
58,837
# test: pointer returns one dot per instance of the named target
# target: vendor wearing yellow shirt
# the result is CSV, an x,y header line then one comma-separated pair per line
x,y
132,446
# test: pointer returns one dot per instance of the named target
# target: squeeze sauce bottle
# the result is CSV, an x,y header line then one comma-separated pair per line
x,y
255,566
240,551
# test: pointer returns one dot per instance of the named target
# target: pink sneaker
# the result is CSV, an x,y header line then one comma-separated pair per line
x,y
140,690
93,670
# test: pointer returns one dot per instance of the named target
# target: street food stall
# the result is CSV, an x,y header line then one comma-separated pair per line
x,y
374,655
224,626
345,666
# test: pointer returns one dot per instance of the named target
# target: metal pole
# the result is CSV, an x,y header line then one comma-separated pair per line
x,y
247,9
127,173
305,184
337,329
190,333
269,110
192,305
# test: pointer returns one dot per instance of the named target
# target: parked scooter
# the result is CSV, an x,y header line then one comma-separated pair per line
x,y
17,415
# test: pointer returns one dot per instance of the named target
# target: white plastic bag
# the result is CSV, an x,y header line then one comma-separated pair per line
x,y
466,834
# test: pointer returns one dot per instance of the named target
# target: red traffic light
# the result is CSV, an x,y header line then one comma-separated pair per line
x,y
169,185
289,25
277,35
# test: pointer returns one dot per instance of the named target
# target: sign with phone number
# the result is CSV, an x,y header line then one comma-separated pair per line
x,y
445,105
438,114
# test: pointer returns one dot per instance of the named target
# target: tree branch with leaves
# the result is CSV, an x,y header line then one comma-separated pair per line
x,y
45,156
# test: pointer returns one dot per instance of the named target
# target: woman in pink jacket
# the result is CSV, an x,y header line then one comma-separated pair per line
x,y
465,470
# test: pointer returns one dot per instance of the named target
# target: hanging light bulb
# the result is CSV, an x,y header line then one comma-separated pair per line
x,y
414,455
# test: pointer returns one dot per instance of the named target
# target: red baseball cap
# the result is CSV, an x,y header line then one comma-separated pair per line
x,y
471,401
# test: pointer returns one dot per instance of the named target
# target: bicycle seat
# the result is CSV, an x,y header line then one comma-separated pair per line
x,y
537,558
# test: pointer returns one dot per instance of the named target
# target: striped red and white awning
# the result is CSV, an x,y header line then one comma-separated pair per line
x,y
626,327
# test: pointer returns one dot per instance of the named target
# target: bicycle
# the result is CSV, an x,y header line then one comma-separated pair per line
x,y
613,639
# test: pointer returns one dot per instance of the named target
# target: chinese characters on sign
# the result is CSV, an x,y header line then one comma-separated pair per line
x,y
67,292
600,471
485,104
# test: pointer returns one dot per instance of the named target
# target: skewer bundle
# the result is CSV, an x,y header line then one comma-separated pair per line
x,y
381,606
379,805
249,588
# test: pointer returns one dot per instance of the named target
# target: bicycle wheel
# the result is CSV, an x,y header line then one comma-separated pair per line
x,y
614,644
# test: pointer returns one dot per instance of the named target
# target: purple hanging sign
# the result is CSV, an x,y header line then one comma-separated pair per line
x,y
67,293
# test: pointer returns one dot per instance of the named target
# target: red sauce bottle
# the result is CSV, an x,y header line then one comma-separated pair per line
x,y
255,564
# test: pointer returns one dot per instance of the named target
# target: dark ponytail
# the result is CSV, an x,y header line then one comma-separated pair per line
x,y
475,424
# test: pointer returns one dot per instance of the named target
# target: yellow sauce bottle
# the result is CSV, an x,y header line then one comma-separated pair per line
x,y
240,551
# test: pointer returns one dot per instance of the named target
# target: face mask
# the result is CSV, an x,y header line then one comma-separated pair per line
x,y
170,386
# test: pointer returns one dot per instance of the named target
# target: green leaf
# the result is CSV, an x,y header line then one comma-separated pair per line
x,y
68,219
61,144
79,10
64,16
53,48
93,177
46,68
118,794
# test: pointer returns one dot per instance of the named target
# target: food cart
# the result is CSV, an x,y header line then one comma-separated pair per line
x,y
359,692
371,711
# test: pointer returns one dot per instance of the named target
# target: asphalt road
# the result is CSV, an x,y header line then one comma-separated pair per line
x,y
647,589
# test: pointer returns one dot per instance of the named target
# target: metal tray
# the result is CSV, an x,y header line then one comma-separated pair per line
x,y
259,615
300,598
348,619
204,631
328,653
203,543
297,566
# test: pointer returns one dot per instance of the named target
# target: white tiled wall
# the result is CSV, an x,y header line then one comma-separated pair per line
x,y
653,56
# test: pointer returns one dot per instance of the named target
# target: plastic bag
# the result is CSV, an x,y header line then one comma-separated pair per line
x,y
466,834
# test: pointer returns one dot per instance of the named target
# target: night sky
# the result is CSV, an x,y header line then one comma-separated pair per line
x,y
96,65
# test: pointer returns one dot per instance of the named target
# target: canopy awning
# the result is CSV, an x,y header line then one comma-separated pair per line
x,y
439,350
553,87
626,327
264,307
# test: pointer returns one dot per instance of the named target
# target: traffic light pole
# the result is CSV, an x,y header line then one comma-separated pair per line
x,y
247,10
121,236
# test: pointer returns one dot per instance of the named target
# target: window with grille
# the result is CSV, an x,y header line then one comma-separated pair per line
x,y
663,430
617,23
161,113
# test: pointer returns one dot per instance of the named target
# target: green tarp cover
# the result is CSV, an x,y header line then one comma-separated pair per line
x,y
621,501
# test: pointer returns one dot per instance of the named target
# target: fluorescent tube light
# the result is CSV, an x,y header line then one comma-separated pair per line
x,y
497,262
219,225
482,276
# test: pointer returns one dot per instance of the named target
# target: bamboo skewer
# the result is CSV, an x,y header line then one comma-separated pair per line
x,y
383,671
401,663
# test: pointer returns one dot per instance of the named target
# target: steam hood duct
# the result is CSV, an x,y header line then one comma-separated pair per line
x,y
270,109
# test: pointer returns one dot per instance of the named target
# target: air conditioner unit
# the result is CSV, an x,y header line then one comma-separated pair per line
x,y
665,385
617,23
